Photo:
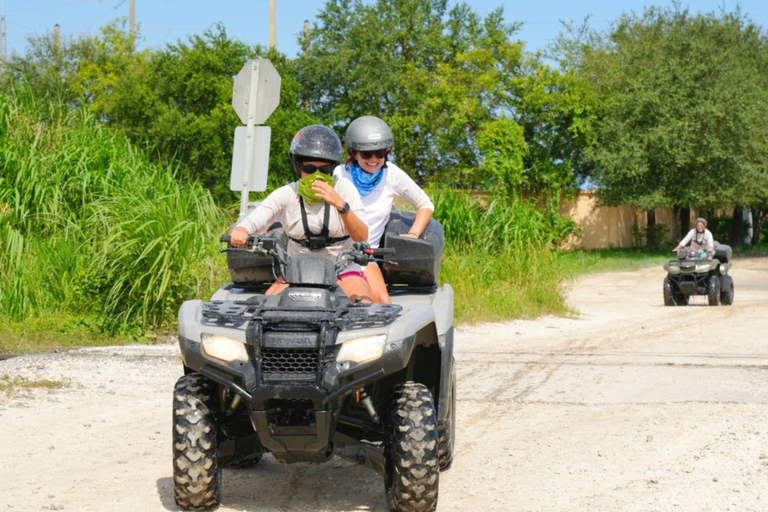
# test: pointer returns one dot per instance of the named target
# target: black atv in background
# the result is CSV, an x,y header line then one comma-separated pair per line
x,y
307,374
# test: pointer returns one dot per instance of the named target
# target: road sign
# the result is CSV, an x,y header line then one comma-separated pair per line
x,y
256,91
256,179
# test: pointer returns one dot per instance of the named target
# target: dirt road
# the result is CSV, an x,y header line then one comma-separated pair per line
x,y
629,407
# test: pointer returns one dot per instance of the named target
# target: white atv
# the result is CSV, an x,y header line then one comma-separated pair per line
x,y
308,374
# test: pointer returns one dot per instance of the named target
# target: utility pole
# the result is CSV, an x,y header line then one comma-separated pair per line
x,y
272,25
57,44
306,53
133,26
2,35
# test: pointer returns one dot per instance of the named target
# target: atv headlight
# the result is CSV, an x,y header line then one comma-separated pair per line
x,y
224,348
362,350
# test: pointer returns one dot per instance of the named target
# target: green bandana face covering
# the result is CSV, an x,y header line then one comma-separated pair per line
x,y
305,186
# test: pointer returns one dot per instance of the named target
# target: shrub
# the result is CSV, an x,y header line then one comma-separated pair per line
x,y
87,224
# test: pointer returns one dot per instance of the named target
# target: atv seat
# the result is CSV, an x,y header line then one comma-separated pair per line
x,y
418,259
723,253
250,269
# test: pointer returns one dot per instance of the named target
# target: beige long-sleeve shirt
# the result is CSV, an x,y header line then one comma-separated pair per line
x,y
283,206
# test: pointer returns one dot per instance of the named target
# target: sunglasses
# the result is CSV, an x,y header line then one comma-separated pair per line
x,y
311,168
378,153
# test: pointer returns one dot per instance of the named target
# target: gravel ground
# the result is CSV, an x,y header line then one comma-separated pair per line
x,y
631,406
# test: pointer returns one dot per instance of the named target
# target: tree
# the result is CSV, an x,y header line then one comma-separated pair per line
x,y
683,107
175,102
437,76
179,104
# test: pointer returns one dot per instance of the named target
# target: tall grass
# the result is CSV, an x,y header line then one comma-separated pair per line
x,y
501,259
89,226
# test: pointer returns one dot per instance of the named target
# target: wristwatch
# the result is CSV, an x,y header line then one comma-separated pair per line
x,y
344,209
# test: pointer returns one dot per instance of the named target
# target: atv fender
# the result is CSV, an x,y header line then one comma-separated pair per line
x,y
446,370
442,304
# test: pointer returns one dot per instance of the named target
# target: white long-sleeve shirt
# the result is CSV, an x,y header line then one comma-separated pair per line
x,y
698,240
378,203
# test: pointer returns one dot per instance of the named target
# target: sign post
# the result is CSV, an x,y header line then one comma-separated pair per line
x,y
255,95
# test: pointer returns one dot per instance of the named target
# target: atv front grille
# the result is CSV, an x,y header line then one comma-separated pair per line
x,y
284,364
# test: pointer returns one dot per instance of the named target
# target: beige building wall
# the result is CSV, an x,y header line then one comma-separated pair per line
x,y
604,227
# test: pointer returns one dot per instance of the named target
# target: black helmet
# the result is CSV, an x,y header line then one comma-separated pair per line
x,y
315,142
368,133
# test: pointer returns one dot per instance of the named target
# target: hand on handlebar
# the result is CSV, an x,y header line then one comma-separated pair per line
x,y
238,237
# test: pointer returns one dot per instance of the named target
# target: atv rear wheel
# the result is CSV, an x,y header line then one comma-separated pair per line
x,y
713,290
446,430
196,471
412,471
726,296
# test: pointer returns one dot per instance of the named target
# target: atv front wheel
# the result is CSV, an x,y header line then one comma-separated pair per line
x,y
196,472
713,290
673,296
412,471
446,430
726,296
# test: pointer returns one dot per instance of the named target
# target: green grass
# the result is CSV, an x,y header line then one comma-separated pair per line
x,y
500,259
751,251
10,385
580,262
91,230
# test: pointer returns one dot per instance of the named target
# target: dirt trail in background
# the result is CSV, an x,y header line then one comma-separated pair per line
x,y
633,407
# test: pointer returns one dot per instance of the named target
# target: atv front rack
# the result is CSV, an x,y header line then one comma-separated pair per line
x,y
348,316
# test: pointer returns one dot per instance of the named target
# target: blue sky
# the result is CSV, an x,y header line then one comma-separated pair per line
x,y
166,21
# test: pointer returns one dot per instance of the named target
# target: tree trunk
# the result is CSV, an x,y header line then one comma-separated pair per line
x,y
685,220
737,227
650,239
757,225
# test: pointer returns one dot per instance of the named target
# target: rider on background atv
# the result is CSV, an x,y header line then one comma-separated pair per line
x,y
700,237
319,213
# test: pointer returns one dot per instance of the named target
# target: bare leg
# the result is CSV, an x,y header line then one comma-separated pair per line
x,y
378,286
356,287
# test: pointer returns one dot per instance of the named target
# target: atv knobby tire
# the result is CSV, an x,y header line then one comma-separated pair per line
x,y
672,296
196,472
726,296
713,290
446,430
412,471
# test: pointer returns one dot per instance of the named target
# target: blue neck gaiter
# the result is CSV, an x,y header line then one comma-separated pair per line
x,y
365,182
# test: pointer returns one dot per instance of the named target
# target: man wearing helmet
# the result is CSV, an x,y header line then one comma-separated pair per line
x,y
369,141
319,213
700,237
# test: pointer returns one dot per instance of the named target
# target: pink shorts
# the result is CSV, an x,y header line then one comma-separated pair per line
x,y
353,274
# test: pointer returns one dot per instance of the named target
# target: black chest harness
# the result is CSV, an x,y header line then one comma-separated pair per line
x,y
312,240
700,241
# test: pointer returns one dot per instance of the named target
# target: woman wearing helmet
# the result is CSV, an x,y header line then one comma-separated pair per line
x,y
369,140
700,237
319,213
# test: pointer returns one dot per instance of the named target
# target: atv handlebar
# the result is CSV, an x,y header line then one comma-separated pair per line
x,y
262,244
360,252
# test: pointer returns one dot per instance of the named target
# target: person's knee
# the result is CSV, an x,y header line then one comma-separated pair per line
x,y
381,297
